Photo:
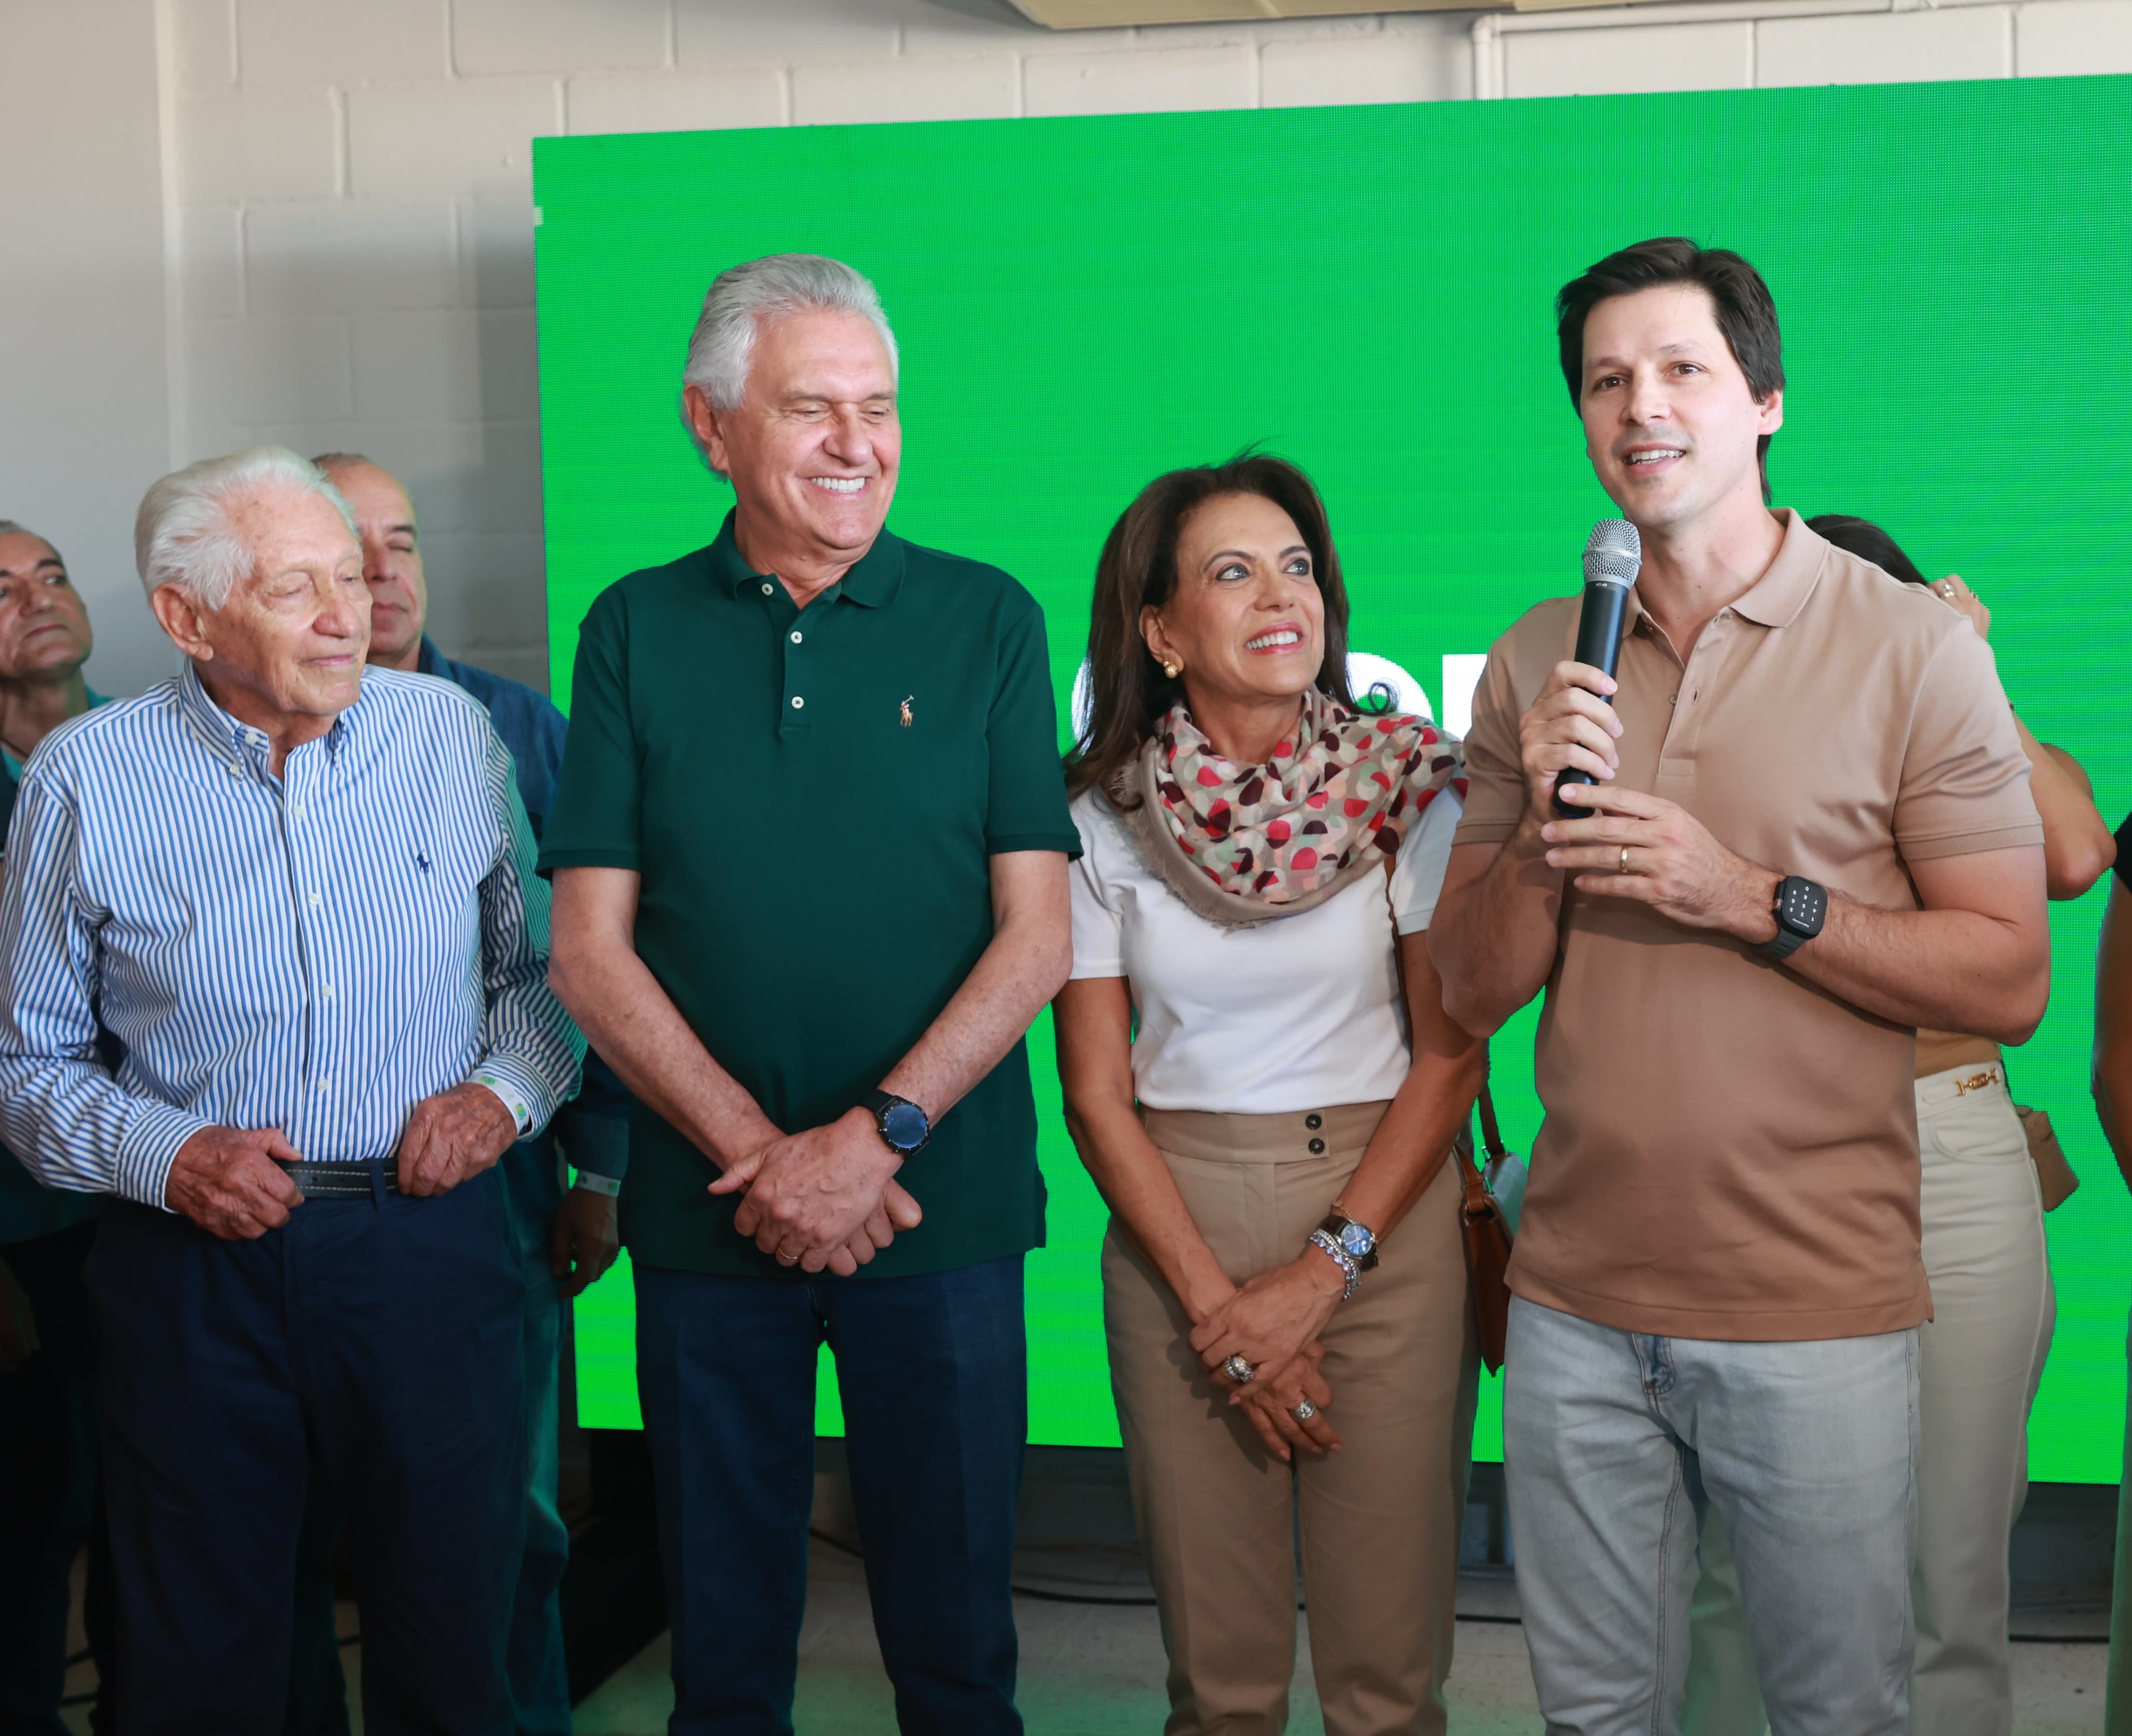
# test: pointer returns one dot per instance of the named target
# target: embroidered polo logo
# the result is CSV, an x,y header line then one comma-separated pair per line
x,y
421,862
905,709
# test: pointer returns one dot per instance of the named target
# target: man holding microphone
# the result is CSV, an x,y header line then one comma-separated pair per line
x,y
1808,832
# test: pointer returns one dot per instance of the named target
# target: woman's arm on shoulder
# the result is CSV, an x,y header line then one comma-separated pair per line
x,y
2078,848
1092,1020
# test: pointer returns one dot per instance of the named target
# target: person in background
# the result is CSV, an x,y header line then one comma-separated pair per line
x,y
1262,1081
47,1336
2111,1080
566,1236
1981,1354
1808,832
809,856
302,897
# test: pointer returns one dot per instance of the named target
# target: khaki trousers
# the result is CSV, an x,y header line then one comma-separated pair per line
x,y
1980,1359
1219,1517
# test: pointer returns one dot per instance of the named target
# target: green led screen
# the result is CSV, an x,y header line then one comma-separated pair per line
x,y
1083,303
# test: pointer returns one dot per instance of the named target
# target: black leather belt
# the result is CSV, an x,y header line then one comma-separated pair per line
x,y
340,1180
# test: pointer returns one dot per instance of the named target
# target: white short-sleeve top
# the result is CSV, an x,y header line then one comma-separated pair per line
x,y
1299,1013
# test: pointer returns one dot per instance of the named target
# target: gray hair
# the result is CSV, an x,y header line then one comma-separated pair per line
x,y
742,298
184,534
11,527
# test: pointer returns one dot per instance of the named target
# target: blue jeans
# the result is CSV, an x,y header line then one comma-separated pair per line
x,y
934,1374
1613,1442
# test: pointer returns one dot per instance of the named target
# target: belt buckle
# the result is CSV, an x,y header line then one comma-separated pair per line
x,y
1976,1082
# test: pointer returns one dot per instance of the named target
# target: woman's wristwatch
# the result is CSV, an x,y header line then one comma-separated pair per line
x,y
1351,1246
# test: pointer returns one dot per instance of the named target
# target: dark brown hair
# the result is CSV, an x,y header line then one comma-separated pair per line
x,y
1138,569
1746,314
1868,541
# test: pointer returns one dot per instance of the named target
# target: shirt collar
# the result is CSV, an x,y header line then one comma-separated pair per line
x,y
1775,598
873,581
235,744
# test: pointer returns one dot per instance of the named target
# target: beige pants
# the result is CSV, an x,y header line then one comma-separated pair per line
x,y
1219,1515
1981,1357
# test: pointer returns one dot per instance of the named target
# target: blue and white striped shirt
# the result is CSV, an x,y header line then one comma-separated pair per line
x,y
316,954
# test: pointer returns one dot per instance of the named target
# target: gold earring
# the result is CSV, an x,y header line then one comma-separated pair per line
x,y
1170,669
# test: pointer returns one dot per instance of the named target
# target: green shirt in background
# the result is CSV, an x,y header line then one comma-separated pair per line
x,y
812,798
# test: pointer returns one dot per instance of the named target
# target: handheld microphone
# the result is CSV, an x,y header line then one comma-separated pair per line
x,y
1612,558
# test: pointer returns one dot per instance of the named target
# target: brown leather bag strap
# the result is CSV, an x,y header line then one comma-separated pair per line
x,y
1491,1132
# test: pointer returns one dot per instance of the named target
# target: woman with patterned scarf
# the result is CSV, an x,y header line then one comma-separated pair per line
x,y
1261,1077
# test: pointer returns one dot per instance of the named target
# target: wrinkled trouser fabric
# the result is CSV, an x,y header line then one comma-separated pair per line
x,y
1613,1442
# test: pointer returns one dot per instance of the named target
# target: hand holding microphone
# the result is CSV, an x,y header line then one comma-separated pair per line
x,y
1567,736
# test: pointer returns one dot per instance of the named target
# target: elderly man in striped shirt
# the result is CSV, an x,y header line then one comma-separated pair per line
x,y
300,893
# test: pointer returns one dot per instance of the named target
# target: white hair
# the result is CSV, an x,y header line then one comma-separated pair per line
x,y
742,298
185,533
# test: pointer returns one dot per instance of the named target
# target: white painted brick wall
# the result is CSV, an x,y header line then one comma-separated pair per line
x,y
1613,62
2072,37
462,134
676,102
979,87
1886,48
1407,69
1143,80
558,36
353,244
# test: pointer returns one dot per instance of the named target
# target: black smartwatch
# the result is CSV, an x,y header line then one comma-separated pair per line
x,y
902,1124
1801,907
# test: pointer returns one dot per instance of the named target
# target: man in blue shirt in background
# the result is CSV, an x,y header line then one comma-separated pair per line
x,y
47,1338
566,1236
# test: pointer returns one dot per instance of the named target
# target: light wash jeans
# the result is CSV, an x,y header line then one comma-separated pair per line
x,y
1613,1442
1979,1362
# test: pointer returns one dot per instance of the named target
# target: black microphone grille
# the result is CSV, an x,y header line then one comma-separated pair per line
x,y
1614,554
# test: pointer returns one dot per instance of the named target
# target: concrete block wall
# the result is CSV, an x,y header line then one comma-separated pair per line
x,y
351,236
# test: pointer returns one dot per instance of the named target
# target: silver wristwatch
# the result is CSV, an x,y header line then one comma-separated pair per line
x,y
1348,1264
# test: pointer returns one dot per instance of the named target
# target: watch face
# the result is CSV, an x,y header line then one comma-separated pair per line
x,y
1357,1240
903,1126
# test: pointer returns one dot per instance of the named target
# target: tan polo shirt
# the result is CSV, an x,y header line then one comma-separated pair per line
x,y
1729,1151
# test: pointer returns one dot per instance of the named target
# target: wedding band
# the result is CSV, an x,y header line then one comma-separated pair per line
x,y
1946,591
1624,867
786,1259
1238,1370
1305,1410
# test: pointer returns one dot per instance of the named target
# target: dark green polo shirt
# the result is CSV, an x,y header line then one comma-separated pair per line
x,y
812,798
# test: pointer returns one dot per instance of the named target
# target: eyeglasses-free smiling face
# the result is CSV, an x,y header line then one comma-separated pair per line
x,y
815,445
1669,421
44,626
1245,621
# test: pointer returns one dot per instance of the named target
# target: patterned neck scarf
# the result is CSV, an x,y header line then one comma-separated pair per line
x,y
1242,844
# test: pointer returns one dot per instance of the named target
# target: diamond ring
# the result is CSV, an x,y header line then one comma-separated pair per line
x,y
1305,1410
1238,1370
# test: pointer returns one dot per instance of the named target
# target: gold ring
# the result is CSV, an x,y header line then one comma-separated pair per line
x,y
786,1259
1624,867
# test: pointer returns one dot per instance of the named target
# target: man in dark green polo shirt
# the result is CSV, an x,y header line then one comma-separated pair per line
x,y
809,855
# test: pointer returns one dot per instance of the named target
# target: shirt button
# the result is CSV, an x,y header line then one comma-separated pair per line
x,y
798,703
328,991
1314,1122
1673,699
796,638
766,590
325,1085
297,811
311,899
1317,1148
